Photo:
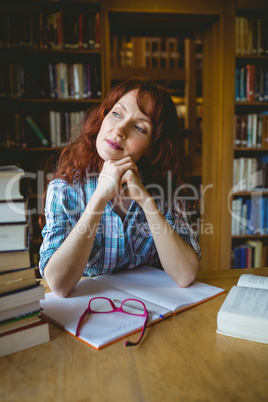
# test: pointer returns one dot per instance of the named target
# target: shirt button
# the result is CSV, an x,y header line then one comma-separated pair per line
x,y
121,235
120,260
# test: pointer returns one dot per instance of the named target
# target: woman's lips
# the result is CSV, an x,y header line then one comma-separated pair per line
x,y
114,145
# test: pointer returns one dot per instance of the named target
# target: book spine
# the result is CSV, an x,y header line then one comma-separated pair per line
x,y
60,28
80,31
98,31
243,84
89,92
237,84
250,82
91,35
37,130
244,128
52,125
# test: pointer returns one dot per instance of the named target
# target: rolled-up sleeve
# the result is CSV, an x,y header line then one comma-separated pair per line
x,y
178,219
57,225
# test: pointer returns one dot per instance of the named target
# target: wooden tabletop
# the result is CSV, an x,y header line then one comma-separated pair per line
x,y
180,359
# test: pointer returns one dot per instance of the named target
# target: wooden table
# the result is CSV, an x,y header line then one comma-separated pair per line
x,y
180,359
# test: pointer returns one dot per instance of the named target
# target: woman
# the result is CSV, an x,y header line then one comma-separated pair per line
x,y
106,209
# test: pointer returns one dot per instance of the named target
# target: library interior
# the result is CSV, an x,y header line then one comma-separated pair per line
x,y
59,59
50,77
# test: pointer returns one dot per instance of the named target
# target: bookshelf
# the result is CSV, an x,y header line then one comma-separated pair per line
x,y
250,165
50,75
211,21
169,55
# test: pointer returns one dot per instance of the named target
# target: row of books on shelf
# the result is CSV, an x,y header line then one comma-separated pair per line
x,y
251,36
251,130
251,254
22,130
75,81
56,30
64,81
251,83
20,292
147,52
250,216
250,174
64,127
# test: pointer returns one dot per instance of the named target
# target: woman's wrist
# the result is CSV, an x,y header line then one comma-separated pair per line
x,y
97,202
147,203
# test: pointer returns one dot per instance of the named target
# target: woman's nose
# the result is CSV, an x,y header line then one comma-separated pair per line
x,y
120,130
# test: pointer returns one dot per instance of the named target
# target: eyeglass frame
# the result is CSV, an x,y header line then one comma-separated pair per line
x,y
115,309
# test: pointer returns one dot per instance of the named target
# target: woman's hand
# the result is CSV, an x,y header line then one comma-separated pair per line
x,y
131,186
110,180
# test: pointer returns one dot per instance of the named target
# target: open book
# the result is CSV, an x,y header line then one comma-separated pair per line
x,y
244,313
154,287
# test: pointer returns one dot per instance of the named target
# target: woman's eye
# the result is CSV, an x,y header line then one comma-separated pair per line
x,y
140,129
116,114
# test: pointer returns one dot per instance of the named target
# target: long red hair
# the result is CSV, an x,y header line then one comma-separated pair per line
x,y
80,156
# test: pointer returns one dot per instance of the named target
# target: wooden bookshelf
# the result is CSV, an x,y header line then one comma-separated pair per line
x,y
49,41
214,21
252,50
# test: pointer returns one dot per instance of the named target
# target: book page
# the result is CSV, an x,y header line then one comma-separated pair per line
x,y
97,329
253,281
157,287
244,314
246,301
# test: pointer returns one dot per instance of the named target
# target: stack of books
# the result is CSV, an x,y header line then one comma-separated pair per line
x,y
20,293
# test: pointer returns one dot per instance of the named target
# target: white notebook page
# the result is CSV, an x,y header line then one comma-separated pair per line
x,y
97,329
157,287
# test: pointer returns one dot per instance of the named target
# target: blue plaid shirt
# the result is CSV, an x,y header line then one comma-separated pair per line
x,y
118,245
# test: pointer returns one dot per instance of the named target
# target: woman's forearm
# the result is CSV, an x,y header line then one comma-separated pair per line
x,y
67,264
177,257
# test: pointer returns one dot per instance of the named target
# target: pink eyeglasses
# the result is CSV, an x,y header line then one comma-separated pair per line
x,y
104,305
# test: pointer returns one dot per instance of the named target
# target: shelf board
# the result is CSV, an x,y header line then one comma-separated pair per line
x,y
23,50
181,100
246,103
247,149
250,193
120,73
29,149
51,100
154,23
252,56
234,237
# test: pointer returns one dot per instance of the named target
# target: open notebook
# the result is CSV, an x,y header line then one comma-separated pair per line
x,y
154,287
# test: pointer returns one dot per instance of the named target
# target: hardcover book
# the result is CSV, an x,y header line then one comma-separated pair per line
x,y
160,294
244,313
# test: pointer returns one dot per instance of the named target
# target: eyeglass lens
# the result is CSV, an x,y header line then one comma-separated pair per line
x,y
101,305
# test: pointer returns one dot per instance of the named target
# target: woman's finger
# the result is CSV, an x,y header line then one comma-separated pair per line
x,y
128,163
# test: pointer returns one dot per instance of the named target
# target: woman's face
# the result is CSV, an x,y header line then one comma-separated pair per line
x,y
125,131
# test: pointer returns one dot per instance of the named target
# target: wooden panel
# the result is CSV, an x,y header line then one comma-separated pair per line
x,y
228,110
154,73
252,5
219,76
190,84
210,152
158,23
180,6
